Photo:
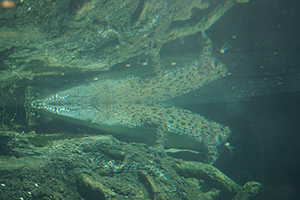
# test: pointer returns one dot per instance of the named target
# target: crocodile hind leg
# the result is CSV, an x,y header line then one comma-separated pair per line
x,y
210,148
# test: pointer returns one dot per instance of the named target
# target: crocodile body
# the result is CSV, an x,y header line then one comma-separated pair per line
x,y
135,102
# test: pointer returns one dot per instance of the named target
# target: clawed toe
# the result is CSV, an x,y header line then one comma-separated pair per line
x,y
158,151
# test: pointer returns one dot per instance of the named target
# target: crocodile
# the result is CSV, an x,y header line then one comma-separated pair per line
x,y
134,102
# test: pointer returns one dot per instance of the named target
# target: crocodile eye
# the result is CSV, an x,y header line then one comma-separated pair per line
x,y
7,4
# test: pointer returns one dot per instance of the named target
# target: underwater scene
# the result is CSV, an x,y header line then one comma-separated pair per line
x,y
149,99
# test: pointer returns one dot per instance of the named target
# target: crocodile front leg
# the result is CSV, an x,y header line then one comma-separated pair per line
x,y
160,137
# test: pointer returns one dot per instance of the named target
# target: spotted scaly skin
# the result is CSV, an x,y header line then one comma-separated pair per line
x,y
134,102
170,119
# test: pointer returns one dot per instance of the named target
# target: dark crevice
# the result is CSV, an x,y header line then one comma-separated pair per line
x,y
147,185
135,16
